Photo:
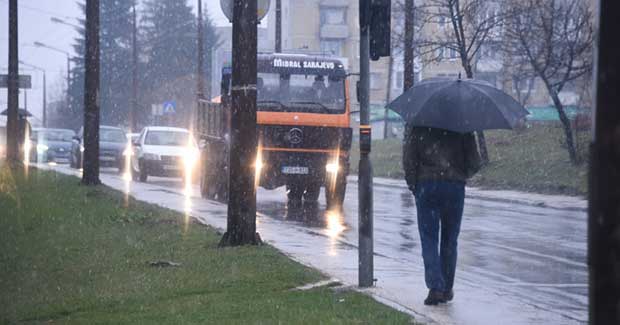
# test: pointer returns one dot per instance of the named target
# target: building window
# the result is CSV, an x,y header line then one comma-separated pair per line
x,y
439,53
443,21
453,54
333,16
522,85
332,47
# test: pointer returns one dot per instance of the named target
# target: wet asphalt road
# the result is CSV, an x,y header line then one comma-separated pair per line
x,y
534,254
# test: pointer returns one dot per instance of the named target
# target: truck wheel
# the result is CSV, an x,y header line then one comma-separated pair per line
x,y
143,173
295,191
335,197
313,189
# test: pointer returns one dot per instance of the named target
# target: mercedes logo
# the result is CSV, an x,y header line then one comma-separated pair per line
x,y
295,136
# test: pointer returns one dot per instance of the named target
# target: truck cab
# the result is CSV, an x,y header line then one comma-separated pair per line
x,y
303,120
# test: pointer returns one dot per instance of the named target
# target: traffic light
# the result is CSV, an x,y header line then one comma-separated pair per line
x,y
380,27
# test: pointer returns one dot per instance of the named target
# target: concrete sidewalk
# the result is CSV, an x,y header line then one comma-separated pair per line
x,y
563,202
400,284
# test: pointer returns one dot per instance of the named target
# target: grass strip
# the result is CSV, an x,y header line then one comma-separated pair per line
x,y
532,160
71,254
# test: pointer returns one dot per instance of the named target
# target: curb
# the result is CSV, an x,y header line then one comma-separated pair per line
x,y
558,202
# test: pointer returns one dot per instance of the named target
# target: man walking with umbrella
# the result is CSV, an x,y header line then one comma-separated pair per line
x,y
437,163
439,155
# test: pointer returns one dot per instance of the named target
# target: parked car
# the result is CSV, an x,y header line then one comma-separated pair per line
x,y
51,145
112,143
163,151
133,137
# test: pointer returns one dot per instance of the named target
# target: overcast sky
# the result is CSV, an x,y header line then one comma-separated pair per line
x,y
35,25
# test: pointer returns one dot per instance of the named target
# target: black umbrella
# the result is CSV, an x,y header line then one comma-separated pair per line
x,y
458,105
21,112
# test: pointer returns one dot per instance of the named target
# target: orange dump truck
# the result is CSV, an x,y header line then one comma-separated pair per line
x,y
304,129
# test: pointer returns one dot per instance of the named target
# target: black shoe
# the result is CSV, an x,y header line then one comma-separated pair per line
x,y
434,297
448,295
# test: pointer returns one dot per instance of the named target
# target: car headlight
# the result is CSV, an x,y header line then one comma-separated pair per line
x,y
332,168
81,148
151,156
41,148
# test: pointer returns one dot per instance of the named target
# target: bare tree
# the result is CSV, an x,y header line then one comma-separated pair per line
x,y
459,30
555,37
521,78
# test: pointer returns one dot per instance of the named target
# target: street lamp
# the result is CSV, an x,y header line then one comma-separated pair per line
x,y
44,90
60,21
39,44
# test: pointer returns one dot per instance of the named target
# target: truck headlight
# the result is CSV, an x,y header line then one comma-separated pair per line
x,y
332,168
191,157
41,148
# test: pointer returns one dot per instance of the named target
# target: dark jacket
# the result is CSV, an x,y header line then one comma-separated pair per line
x,y
435,154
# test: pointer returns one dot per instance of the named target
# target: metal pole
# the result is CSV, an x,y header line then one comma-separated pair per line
x,y
200,68
278,26
366,267
409,50
91,96
388,95
12,141
200,73
44,101
68,82
134,94
241,226
604,203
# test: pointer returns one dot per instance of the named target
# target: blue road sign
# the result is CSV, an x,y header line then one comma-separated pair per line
x,y
170,107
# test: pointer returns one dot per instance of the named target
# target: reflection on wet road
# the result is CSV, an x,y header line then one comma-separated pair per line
x,y
534,254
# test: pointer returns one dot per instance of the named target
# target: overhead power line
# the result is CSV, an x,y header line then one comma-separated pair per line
x,y
41,11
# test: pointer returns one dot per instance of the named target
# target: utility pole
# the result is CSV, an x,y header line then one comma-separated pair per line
x,y
365,195
39,44
91,96
134,94
278,26
44,101
200,83
388,95
409,49
12,127
604,203
68,82
241,226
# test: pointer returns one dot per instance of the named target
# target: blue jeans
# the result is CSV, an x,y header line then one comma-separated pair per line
x,y
440,210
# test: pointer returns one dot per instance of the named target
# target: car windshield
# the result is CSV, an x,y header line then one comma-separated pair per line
x,y
53,135
300,93
166,138
112,135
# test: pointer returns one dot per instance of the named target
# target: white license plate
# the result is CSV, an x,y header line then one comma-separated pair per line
x,y
171,167
61,160
294,170
107,158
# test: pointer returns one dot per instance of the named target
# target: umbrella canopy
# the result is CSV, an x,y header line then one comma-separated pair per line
x,y
21,112
458,105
